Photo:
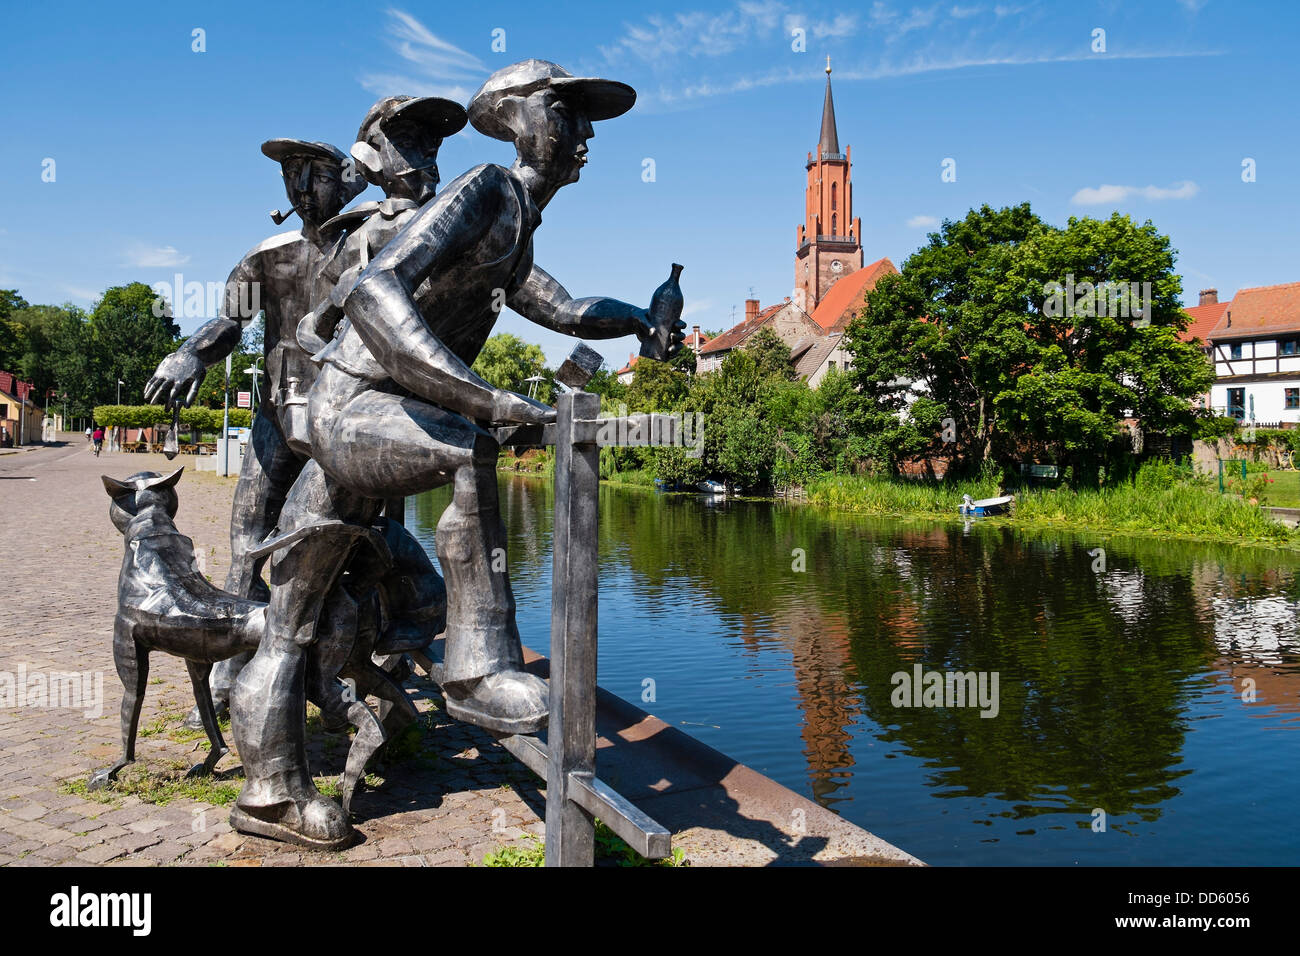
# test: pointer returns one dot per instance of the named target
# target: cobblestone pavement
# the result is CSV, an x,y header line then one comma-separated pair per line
x,y
453,797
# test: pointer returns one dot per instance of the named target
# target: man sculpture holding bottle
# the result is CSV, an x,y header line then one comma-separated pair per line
x,y
396,410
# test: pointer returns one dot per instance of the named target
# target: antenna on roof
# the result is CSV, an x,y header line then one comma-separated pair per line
x,y
733,314
751,292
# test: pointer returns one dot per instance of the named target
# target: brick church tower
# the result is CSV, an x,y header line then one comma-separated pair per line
x,y
828,246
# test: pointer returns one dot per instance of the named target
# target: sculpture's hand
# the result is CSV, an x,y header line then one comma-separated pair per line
x,y
176,380
513,408
676,338
647,334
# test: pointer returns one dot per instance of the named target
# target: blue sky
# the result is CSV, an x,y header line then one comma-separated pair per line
x,y
158,169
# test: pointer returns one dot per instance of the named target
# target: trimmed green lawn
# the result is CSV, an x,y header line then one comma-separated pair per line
x,y
1284,492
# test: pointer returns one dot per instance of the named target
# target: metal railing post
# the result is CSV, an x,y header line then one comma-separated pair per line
x,y
571,731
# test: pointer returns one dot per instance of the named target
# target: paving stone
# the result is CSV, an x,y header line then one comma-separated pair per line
x,y
99,854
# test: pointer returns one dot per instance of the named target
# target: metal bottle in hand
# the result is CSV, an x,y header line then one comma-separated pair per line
x,y
665,311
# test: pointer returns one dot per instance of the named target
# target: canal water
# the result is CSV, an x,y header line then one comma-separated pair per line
x,y
1147,706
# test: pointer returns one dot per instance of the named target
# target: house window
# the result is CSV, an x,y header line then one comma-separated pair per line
x,y
833,218
1234,351
1293,398
1287,347
1236,403
834,206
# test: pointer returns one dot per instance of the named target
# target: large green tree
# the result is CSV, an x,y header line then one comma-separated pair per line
x,y
1088,371
127,341
12,334
999,372
940,324
507,361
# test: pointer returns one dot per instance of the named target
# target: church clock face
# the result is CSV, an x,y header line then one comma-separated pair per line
x,y
836,267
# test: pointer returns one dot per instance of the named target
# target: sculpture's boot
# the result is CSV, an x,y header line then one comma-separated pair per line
x,y
280,800
268,706
483,673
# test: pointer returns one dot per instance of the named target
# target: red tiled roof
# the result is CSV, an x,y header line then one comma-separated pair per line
x,y
1204,319
1261,310
847,295
631,360
737,334
10,385
696,338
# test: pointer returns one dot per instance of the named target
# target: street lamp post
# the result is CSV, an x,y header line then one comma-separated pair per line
x,y
225,424
256,374
117,437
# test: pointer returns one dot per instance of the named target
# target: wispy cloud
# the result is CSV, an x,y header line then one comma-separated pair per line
x,y
1109,195
898,23
1193,6
889,40
142,256
922,222
695,308
431,66
695,33
79,292
914,65
840,26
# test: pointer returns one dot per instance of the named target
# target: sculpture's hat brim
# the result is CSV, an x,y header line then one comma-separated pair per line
x,y
445,117
281,150
598,99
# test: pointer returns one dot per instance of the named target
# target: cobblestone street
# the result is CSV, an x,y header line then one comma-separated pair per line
x,y
453,797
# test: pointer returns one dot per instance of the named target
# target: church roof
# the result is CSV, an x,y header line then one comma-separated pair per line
x,y
829,142
848,294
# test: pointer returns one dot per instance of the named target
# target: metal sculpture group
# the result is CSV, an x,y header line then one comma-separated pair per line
x,y
373,319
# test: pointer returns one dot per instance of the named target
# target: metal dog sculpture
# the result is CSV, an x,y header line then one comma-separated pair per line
x,y
166,604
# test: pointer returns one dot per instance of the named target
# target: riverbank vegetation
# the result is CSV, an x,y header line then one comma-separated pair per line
x,y
1160,499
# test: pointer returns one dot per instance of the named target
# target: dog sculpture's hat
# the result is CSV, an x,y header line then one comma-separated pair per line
x,y
598,99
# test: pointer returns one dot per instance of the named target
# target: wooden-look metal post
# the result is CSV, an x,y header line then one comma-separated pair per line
x,y
571,731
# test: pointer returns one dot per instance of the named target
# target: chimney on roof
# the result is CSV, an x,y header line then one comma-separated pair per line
x,y
751,309
695,330
1209,297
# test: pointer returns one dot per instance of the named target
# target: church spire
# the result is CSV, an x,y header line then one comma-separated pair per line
x,y
828,246
829,144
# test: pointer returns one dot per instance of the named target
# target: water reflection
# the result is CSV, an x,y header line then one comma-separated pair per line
x,y
773,632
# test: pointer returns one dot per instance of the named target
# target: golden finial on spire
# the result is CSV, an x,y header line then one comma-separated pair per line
x,y
828,66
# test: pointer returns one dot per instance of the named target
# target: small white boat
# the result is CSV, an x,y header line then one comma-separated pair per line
x,y
985,506
712,487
